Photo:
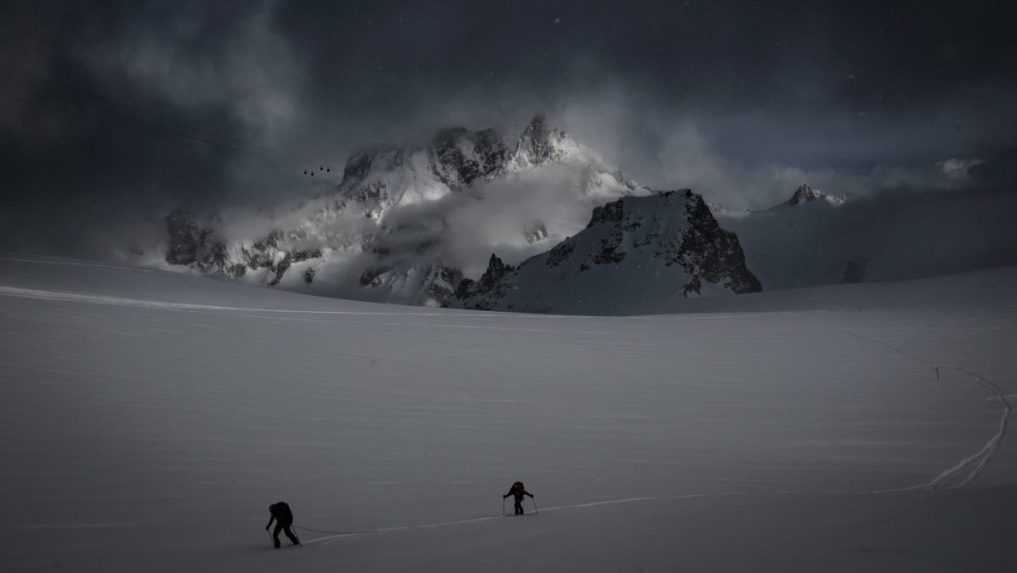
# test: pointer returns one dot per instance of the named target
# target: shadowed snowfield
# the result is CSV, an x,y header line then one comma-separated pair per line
x,y
150,418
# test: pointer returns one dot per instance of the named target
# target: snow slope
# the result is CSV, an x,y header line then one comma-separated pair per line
x,y
151,417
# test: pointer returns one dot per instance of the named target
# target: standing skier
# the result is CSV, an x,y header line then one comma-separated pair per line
x,y
283,518
518,490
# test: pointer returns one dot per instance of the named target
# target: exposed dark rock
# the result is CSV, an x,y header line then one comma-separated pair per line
x,y
201,248
710,253
488,283
560,252
609,213
675,228
537,142
441,285
804,194
463,156
372,277
496,269
193,245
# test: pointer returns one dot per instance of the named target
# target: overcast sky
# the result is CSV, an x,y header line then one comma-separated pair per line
x,y
119,111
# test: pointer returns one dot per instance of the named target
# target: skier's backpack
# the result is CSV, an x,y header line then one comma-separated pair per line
x,y
281,511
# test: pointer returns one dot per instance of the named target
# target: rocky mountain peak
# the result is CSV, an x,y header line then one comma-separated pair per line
x,y
633,250
803,194
806,194
461,156
539,144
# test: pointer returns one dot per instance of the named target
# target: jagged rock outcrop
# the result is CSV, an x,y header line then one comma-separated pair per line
x,y
194,245
540,144
634,253
440,284
487,285
712,254
420,284
200,247
462,156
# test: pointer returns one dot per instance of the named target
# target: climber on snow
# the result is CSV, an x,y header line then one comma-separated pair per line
x,y
283,518
518,490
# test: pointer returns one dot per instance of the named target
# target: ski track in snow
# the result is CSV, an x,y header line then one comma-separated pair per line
x,y
337,535
974,463
959,475
333,536
978,460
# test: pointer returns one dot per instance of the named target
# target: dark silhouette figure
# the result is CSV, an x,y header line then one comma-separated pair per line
x,y
518,490
283,518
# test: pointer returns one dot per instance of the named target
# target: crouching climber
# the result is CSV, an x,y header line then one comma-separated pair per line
x,y
283,517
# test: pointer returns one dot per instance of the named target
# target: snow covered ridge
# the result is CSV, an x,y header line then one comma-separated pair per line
x,y
353,229
634,250
394,230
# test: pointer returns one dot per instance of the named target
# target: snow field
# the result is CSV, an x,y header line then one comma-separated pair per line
x,y
145,436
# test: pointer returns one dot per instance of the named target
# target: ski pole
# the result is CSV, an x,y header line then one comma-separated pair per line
x,y
535,508
503,507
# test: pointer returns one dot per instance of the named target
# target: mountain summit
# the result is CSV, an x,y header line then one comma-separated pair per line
x,y
540,144
634,254
806,194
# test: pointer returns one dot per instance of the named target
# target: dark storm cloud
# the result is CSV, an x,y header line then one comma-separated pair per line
x,y
111,115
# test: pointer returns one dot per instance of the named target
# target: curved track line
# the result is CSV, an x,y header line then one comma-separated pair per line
x,y
979,459
337,535
975,462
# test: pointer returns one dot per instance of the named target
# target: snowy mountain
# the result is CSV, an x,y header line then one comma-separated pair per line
x,y
806,194
367,249
635,252
390,232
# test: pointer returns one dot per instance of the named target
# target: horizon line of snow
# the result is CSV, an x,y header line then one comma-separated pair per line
x,y
65,296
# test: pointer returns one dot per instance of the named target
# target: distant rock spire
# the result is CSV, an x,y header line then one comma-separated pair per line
x,y
806,194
